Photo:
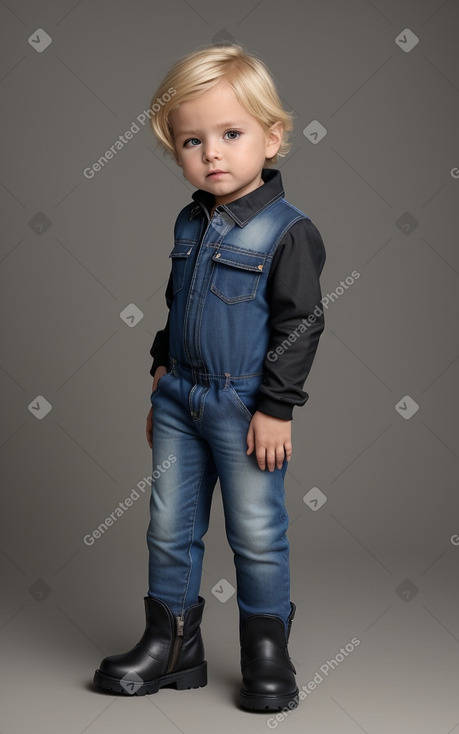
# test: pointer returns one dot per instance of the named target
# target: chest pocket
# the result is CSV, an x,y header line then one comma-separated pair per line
x,y
236,274
179,255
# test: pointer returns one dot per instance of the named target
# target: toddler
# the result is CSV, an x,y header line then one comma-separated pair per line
x,y
242,331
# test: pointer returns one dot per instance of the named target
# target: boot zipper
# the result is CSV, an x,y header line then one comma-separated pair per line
x,y
177,645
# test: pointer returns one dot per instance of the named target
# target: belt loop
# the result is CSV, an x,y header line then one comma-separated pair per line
x,y
173,367
227,375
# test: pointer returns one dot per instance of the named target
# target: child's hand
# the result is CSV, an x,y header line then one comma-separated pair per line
x,y
271,438
159,372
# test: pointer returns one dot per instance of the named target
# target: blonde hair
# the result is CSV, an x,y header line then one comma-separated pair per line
x,y
203,69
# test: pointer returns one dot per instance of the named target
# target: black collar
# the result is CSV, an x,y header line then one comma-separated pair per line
x,y
243,209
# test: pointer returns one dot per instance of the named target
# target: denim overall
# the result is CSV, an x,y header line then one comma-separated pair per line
x,y
218,339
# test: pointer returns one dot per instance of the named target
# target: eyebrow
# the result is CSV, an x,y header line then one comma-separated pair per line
x,y
231,123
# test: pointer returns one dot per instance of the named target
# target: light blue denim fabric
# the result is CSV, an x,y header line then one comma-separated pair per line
x,y
218,339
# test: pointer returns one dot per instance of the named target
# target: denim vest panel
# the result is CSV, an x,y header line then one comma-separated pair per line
x,y
219,317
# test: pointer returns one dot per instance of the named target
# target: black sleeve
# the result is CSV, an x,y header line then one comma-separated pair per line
x,y
160,347
296,319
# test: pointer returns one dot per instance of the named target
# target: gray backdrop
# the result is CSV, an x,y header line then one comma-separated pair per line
x,y
372,486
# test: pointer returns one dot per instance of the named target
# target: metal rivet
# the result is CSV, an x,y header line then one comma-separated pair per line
x,y
218,254
260,267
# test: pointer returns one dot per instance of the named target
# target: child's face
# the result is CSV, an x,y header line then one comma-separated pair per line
x,y
213,131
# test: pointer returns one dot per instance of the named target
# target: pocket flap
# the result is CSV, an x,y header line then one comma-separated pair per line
x,y
181,249
240,259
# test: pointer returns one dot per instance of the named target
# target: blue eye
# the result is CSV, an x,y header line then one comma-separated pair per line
x,y
189,141
193,142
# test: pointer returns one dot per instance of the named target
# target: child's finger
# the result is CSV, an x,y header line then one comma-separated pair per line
x,y
250,440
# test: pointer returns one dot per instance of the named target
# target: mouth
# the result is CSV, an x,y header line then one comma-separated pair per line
x,y
216,174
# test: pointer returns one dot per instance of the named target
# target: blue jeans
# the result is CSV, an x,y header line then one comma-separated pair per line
x,y
200,426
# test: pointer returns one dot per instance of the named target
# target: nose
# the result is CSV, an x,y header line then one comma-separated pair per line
x,y
210,150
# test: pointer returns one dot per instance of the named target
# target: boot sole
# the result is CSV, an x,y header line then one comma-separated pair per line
x,y
182,680
260,702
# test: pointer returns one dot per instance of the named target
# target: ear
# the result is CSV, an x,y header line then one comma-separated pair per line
x,y
274,139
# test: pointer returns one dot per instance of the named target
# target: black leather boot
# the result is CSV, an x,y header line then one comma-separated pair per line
x,y
268,681
170,652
